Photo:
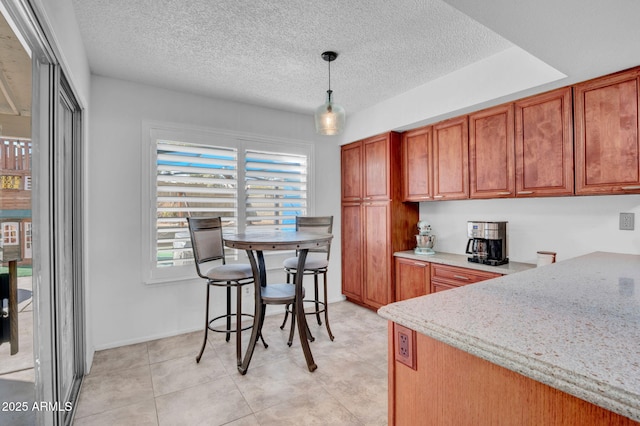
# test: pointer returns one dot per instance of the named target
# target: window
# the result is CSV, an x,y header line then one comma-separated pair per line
x,y
192,181
250,182
276,189
10,232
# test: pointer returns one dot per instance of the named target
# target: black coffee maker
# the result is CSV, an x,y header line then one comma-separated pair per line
x,y
487,243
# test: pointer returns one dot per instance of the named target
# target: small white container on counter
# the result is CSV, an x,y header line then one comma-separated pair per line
x,y
546,257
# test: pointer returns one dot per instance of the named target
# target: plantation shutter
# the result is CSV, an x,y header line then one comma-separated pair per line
x,y
192,181
276,189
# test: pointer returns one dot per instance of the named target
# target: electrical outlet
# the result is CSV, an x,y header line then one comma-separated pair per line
x,y
247,290
627,221
405,346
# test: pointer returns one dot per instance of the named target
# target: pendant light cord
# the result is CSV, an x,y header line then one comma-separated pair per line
x,y
329,74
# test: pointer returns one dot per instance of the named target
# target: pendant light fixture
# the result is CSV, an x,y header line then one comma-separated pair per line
x,y
329,116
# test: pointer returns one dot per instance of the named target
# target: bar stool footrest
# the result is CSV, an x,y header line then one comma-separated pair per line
x,y
233,330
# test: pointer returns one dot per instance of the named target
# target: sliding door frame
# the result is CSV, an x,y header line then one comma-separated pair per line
x,y
49,191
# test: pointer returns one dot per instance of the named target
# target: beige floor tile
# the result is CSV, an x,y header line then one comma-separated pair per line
x,y
175,346
120,358
112,390
349,386
213,403
181,373
140,414
265,386
308,408
250,420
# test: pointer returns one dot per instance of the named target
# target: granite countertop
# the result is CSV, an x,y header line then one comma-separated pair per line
x,y
461,260
573,325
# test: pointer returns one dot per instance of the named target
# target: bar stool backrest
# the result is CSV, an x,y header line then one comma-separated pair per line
x,y
318,225
206,240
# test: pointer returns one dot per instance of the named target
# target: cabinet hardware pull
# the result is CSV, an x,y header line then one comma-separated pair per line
x,y
438,196
460,277
525,192
631,188
422,265
504,193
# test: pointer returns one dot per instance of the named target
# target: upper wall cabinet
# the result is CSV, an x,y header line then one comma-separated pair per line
x,y
451,159
491,153
377,166
606,130
544,145
417,154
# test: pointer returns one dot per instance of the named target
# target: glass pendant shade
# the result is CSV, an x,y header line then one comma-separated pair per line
x,y
329,117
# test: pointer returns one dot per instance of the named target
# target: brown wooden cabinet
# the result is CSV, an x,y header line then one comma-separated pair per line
x,y
352,251
417,162
451,159
376,224
447,386
376,165
491,153
351,172
444,277
378,260
544,144
413,278
607,156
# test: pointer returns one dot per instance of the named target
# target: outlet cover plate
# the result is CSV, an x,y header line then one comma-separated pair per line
x,y
405,345
627,221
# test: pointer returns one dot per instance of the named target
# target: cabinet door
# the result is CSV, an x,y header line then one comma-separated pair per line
x,y
491,156
377,182
606,129
351,157
413,278
544,145
451,159
352,251
378,285
416,164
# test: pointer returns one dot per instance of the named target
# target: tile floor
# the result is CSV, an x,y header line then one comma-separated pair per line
x,y
159,382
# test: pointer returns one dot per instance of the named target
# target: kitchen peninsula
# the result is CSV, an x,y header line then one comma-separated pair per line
x,y
558,344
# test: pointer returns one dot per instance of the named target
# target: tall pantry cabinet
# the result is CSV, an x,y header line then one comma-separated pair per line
x,y
375,222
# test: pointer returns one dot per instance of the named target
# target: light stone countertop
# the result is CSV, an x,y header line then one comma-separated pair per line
x,y
573,325
461,260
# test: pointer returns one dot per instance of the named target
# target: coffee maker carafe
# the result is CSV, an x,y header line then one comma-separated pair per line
x,y
487,242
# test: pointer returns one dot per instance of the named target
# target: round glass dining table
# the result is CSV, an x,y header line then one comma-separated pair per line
x,y
255,244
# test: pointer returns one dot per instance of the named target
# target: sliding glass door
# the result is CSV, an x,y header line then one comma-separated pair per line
x,y
55,232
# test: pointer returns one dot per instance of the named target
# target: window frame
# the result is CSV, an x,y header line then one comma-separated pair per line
x,y
151,132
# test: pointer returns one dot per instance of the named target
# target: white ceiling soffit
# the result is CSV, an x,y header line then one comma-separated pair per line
x,y
583,39
267,53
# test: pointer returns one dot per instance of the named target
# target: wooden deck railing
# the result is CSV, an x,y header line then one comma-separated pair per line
x,y
15,154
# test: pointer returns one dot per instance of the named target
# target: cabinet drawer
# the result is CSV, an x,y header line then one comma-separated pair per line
x,y
456,276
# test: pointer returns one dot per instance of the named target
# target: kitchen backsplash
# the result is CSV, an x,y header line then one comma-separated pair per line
x,y
570,226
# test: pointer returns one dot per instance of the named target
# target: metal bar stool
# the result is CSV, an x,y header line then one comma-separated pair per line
x,y
314,265
208,249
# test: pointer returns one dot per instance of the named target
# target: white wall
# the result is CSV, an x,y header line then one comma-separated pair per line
x,y
123,308
570,226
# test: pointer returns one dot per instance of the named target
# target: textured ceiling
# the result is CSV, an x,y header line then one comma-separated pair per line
x,y
267,52
15,73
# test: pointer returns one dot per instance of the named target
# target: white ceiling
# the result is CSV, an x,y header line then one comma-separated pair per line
x,y
267,52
